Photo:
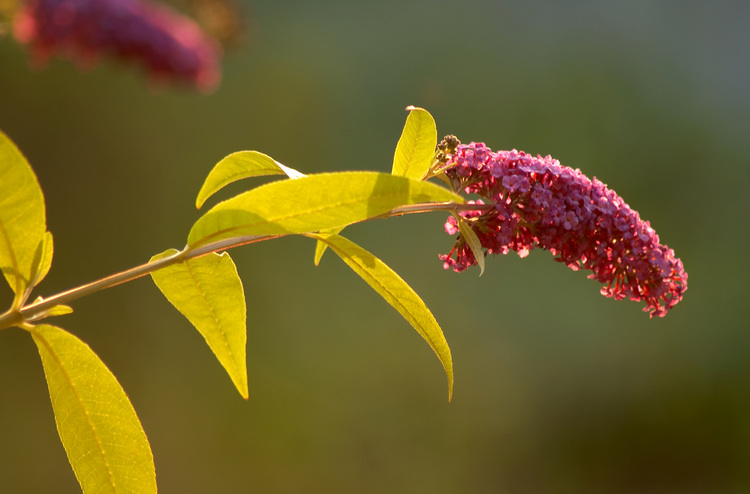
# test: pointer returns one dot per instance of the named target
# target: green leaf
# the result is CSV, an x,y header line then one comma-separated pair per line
x,y
45,250
57,310
101,433
22,217
236,166
416,147
396,292
313,203
208,291
471,238
320,246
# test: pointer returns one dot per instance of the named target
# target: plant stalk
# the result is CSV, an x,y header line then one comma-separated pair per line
x,y
35,310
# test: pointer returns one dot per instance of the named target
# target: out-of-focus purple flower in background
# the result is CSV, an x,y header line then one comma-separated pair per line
x,y
168,45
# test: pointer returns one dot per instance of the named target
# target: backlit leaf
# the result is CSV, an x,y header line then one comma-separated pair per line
x,y
101,433
313,203
56,310
59,310
320,246
396,292
45,250
22,216
472,240
208,291
416,147
239,165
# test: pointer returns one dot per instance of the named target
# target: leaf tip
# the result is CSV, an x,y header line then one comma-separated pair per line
x,y
201,199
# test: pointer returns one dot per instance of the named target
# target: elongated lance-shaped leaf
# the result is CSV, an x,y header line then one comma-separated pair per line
x,y
320,246
208,291
43,260
313,203
54,311
101,433
22,217
396,292
416,147
240,165
58,310
412,158
472,240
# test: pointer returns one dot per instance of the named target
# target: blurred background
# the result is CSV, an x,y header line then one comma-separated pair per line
x,y
558,389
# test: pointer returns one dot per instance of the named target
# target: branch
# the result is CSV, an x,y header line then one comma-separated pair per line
x,y
35,310
29,312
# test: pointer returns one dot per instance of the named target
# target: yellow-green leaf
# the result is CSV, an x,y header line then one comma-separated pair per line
x,y
472,240
412,158
313,203
22,217
396,292
59,310
208,291
416,146
45,250
101,433
240,165
320,246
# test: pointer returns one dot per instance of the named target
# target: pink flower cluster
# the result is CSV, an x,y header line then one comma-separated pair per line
x,y
533,202
169,45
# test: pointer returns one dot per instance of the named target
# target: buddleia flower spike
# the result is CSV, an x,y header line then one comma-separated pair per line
x,y
528,202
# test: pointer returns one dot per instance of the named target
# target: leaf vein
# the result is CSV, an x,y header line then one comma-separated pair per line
x,y
213,314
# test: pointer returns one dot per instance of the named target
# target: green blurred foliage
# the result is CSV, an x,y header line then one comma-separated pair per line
x,y
557,389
